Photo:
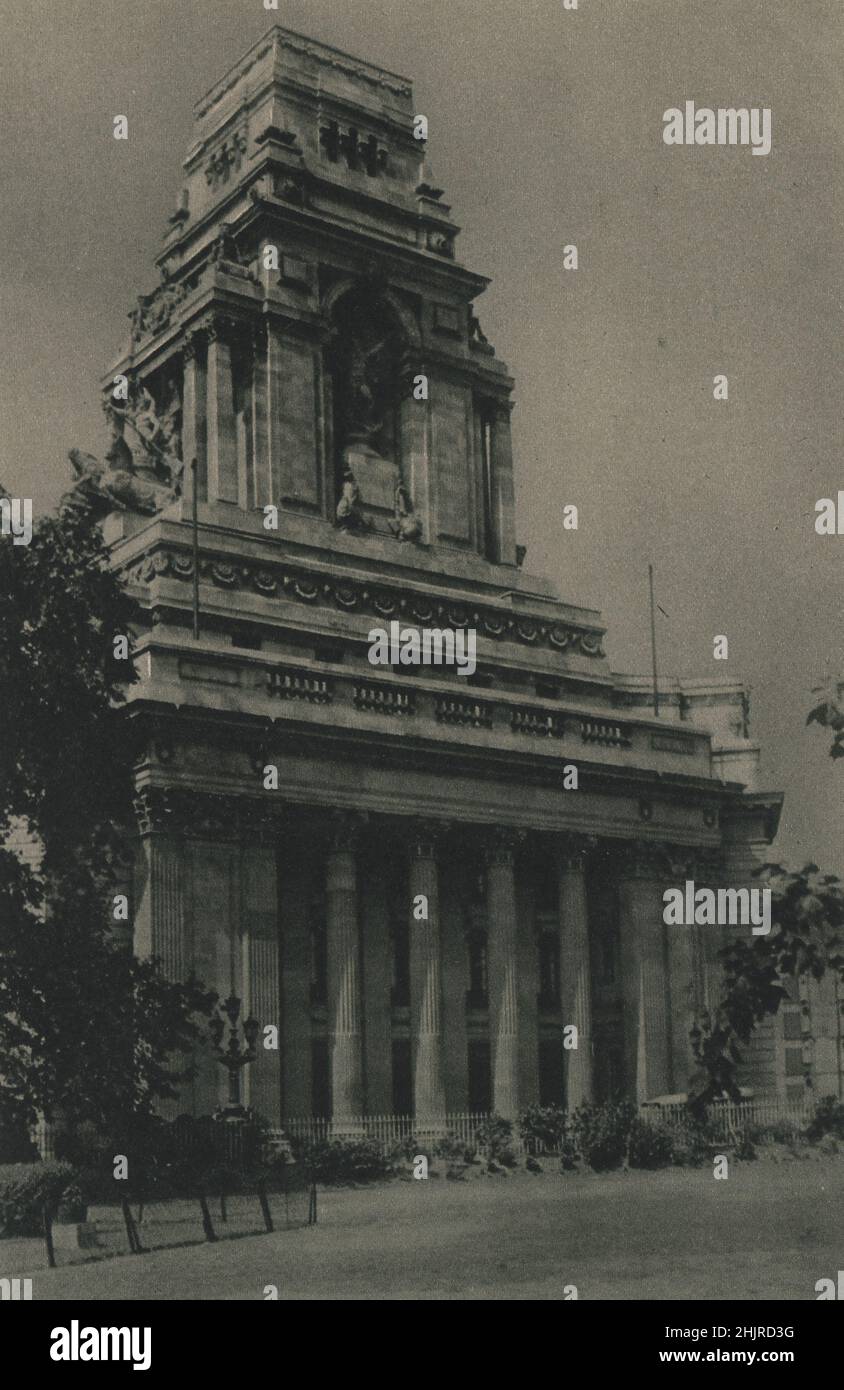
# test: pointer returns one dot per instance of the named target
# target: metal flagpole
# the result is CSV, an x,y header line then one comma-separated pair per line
x,y
653,639
195,493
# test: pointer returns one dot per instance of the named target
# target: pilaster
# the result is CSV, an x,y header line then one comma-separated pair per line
x,y
345,1004
576,971
426,975
503,984
645,989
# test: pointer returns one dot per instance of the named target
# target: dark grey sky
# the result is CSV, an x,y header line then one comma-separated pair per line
x,y
545,129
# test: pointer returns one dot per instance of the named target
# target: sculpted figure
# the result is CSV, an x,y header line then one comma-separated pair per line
x,y
406,526
349,514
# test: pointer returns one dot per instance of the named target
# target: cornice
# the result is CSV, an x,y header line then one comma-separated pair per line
x,y
382,602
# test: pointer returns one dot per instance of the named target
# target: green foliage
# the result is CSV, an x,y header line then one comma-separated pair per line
x,y
829,714
744,1147
453,1149
691,1143
63,763
27,1188
494,1136
543,1127
334,1161
827,1119
16,1145
650,1144
806,937
84,1029
601,1133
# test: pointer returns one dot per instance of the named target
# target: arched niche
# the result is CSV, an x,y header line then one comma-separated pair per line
x,y
370,358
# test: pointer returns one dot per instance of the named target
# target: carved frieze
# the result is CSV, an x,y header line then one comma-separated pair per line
x,y
351,595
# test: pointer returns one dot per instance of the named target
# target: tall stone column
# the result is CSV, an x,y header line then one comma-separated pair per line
x,y
221,435
576,972
426,978
503,985
159,920
647,1016
692,951
260,970
345,1007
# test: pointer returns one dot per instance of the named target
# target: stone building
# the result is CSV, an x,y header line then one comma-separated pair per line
x,y
388,864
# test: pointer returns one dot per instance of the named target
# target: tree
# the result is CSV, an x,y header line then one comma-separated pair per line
x,y
829,714
83,1025
806,938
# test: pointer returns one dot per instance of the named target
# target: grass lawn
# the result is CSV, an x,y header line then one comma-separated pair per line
x,y
769,1232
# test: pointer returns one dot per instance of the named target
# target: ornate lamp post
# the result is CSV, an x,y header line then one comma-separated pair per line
x,y
234,1056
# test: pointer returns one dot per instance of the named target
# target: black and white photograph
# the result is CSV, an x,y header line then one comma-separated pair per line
x,y
421,666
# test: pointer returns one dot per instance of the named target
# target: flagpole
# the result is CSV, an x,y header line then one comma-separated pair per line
x,y
195,520
653,640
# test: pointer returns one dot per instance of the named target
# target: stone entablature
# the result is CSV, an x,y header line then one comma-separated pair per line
x,y
305,691
376,599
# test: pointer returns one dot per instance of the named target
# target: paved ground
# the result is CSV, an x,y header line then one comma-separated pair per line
x,y
769,1231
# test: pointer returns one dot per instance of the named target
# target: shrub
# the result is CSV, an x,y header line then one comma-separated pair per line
x,y
744,1147
691,1142
343,1160
650,1144
777,1132
507,1157
453,1149
494,1136
601,1133
543,1128
25,1190
569,1153
16,1144
828,1119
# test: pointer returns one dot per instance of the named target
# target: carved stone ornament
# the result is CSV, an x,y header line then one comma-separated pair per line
x,y
349,594
228,156
155,311
406,526
143,476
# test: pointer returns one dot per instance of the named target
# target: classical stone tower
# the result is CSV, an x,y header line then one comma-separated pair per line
x,y
390,864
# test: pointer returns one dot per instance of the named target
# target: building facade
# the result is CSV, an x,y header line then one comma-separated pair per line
x,y
395,865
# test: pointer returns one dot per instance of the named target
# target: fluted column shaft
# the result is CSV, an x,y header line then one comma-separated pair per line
x,y
503,991
647,1016
426,982
576,975
345,1012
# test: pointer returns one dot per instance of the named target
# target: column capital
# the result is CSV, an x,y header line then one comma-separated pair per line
x,y
344,831
656,859
221,328
502,843
192,343
425,837
574,851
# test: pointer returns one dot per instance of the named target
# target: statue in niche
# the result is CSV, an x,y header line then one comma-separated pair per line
x,y
367,361
349,514
406,526
365,410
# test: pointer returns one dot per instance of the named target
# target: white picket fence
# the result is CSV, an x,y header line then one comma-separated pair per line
x,y
729,1118
388,1130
